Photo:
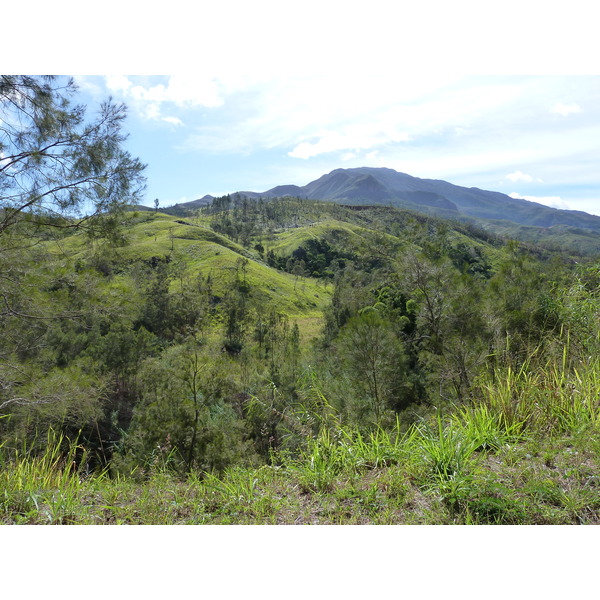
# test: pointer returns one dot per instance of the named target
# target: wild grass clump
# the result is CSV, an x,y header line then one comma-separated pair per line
x,y
341,453
320,463
545,399
439,454
444,448
576,398
377,449
43,488
487,430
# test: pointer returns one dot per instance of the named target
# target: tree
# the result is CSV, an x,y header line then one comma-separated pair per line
x,y
157,314
55,165
374,360
185,406
430,282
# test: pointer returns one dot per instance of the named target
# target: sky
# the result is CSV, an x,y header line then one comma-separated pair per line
x,y
500,97
536,137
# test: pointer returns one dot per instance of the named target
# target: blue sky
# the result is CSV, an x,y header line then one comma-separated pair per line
x,y
533,136
498,97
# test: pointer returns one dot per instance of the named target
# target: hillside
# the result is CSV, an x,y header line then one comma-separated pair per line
x,y
295,361
152,238
494,211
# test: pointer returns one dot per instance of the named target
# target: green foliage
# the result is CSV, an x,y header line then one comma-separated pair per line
x,y
233,391
185,407
44,487
430,474
65,399
375,361
487,429
320,464
157,315
54,164
446,448
377,449
493,503
552,397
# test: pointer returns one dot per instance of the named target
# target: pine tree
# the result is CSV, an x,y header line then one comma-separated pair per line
x,y
53,163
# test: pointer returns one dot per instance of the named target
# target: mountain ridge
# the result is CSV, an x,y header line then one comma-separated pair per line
x,y
382,185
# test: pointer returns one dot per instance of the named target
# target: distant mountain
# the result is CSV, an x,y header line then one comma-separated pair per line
x,y
204,201
367,185
183,208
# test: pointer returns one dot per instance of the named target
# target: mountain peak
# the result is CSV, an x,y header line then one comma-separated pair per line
x,y
382,185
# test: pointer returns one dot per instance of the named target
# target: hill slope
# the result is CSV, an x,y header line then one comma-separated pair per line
x,y
155,236
347,363
494,211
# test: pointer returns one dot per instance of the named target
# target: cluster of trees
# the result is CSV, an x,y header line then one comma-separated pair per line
x,y
314,258
58,171
243,219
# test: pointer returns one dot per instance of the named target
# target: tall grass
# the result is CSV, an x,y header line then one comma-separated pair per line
x,y
575,401
42,488
342,452
443,447
487,430
547,398
318,465
378,448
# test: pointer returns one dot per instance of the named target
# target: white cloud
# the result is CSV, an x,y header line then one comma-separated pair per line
x,y
551,201
519,176
318,114
201,90
353,137
90,86
178,92
151,111
118,83
565,109
173,120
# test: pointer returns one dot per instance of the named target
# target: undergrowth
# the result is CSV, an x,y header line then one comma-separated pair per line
x,y
526,452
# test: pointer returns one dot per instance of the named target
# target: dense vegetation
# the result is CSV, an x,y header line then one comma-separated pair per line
x,y
277,360
296,361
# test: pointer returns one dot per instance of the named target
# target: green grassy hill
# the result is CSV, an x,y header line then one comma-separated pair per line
x,y
163,237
